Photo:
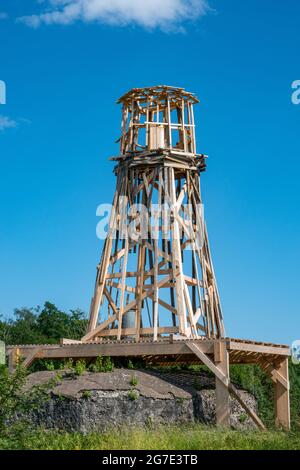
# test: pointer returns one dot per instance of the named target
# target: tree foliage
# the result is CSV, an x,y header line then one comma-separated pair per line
x,y
42,325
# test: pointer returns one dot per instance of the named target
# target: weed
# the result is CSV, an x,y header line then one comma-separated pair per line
x,y
80,367
133,395
102,364
50,365
134,381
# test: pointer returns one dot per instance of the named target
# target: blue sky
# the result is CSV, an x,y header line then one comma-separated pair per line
x,y
64,72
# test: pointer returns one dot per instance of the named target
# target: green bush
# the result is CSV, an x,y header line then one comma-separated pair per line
x,y
255,381
16,401
80,367
69,365
49,365
102,364
133,395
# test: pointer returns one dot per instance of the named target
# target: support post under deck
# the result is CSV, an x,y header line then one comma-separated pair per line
x,y
282,397
222,393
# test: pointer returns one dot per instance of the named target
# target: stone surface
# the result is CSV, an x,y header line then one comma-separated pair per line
x,y
98,401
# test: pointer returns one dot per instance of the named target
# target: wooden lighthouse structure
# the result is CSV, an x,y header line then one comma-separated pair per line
x,y
156,277
156,295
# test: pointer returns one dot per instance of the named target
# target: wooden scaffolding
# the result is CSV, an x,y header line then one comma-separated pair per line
x,y
156,277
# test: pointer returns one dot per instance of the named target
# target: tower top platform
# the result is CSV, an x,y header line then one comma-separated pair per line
x,y
158,118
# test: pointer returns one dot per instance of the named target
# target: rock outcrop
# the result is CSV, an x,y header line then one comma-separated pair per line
x,y
98,401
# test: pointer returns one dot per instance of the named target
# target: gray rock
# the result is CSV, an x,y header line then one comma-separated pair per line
x,y
99,401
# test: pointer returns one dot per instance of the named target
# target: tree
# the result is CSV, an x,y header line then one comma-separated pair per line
x,y
55,324
46,325
24,329
5,331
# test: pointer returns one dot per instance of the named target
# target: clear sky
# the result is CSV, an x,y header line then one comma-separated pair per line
x,y
65,62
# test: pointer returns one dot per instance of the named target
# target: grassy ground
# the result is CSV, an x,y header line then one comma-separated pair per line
x,y
191,437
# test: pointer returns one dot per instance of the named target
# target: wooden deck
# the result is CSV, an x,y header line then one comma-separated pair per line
x,y
168,351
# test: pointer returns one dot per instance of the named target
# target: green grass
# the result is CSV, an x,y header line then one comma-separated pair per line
x,y
188,437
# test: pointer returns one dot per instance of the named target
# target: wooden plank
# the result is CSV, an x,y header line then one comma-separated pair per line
x,y
121,349
195,348
282,398
123,285
253,347
111,302
167,306
118,285
194,332
143,331
64,341
222,390
156,291
29,359
14,355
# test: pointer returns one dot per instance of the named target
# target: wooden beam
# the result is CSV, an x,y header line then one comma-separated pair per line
x,y
14,356
195,348
29,359
261,348
282,398
143,331
92,334
110,301
123,287
222,391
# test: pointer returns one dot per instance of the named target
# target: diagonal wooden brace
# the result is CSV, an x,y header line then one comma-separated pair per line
x,y
225,381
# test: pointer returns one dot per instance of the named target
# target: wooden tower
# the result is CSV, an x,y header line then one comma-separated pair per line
x,y
156,277
156,296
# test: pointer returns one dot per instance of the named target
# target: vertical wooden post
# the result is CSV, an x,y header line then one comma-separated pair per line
x,y
13,359
282,398
222,392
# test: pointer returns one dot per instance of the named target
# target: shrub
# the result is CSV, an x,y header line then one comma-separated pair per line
x,y
86,394
80,367
49,365
68,364
134,381
102,364
133,395
16,402
108,364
